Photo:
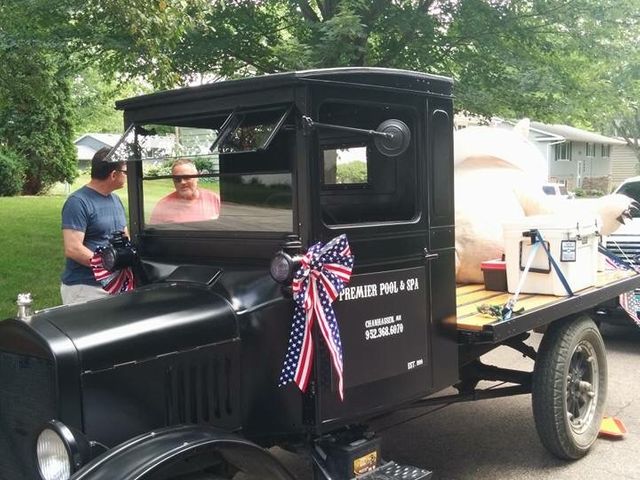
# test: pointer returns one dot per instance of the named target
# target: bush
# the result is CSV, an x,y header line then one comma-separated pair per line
x,y
12,172
588,193
352,172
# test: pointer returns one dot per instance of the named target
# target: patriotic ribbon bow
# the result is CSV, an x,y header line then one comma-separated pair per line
x,y
323,274
112,282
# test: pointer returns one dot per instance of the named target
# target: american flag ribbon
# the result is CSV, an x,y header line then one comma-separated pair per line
x,y
628,300
324,271
112,282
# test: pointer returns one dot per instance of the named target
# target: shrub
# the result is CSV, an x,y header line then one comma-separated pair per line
x,y
12,172
352,172
588,193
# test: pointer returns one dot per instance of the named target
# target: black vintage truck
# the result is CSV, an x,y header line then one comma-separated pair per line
x,y
181,378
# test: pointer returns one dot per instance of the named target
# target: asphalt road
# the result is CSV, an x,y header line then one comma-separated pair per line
x,y
496,439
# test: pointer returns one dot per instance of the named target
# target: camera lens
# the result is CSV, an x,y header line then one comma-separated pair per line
x,y
109,259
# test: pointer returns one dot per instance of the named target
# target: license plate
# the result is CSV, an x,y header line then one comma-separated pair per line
x,y
366,463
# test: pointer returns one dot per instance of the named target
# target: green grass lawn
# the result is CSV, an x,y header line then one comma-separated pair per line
x,y
31,254
31,257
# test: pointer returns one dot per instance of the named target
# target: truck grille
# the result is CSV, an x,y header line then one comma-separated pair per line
x,y
27,401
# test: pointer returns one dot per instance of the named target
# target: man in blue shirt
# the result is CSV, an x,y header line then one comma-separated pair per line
x,y
89,217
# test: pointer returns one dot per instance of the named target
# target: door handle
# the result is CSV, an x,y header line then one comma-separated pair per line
x,y
430,255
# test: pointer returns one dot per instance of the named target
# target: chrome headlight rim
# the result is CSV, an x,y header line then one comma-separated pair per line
x,y
76,447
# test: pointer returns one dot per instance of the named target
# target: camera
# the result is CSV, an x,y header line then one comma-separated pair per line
x,y
119,254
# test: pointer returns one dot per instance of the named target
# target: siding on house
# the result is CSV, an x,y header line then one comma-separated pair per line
x,y
624,164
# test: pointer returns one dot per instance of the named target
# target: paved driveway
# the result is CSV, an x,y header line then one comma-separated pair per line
x,y
496,439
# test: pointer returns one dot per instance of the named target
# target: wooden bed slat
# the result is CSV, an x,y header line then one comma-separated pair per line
x,y
469,297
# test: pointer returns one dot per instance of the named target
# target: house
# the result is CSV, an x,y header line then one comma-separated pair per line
x,y
579,158
88,144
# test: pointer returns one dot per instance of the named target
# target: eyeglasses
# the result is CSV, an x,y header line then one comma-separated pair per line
x,y
120,170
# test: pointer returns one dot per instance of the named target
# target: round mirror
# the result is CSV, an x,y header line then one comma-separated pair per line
x,y
397,139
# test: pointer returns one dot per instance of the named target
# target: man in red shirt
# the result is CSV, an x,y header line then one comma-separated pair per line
x,y
188,203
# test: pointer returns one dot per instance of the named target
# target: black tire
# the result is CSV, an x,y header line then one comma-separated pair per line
x,y
570,387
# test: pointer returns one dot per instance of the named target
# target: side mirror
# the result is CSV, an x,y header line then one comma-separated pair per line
x,y
392,137
396,139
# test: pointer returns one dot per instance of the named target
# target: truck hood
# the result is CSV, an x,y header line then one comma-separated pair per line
x,y
157,320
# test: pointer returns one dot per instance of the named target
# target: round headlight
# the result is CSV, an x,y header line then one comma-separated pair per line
x,y
54,460
283,267
280,268
60,451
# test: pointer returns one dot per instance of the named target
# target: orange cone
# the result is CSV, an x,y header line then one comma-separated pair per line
x,y
612,427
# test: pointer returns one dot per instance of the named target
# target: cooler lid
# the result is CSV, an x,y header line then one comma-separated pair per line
x,y
582,224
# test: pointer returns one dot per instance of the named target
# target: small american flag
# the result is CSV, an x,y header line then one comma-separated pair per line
x,y
323,274
112,282
628,300
630,304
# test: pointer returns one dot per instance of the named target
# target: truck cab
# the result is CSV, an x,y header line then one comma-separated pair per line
x,y
196,350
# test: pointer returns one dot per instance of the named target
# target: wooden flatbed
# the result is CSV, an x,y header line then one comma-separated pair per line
x,y
538,309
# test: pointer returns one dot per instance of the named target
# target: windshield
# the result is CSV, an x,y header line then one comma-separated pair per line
x,y
186,186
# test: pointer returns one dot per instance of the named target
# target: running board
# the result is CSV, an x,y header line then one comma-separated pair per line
x,y
394,471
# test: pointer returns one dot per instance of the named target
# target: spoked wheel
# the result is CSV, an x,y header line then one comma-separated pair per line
x,y
569,387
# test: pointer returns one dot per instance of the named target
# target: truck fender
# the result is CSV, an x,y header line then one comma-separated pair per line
x,y
143,456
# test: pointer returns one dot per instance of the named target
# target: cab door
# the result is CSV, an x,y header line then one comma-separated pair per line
x,y
380,202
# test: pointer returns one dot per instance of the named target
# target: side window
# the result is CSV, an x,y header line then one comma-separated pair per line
x,y
359,183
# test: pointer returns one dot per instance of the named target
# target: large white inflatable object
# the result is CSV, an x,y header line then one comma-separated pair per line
x,y
498,179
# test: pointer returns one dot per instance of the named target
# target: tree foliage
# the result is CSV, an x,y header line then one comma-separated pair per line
x,y
12,172
36,118
93,101
628,127
568,61
35,112
554,60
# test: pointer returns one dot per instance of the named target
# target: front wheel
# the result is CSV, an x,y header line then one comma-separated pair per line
x,y
570,387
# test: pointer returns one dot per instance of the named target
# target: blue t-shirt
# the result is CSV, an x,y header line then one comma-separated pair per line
x,y
98,216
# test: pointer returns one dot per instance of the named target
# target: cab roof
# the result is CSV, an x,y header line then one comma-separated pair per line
x,y
385,78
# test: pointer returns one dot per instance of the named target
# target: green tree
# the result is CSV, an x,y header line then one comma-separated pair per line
x,y
35,110
36,117
93,101
628,127
554,60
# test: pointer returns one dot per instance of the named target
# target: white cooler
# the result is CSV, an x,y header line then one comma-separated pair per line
x,y
573,243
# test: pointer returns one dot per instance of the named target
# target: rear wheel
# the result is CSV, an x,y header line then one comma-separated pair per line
x,y
570,387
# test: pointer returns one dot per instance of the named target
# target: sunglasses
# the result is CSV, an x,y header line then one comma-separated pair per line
x,y
179,178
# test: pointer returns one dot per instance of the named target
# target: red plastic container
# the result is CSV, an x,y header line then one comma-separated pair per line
x,y
495,275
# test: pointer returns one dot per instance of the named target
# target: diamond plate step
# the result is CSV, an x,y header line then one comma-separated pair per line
x,y
394,471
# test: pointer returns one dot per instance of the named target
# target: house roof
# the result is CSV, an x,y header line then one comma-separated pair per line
x,y
109,139
576,134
